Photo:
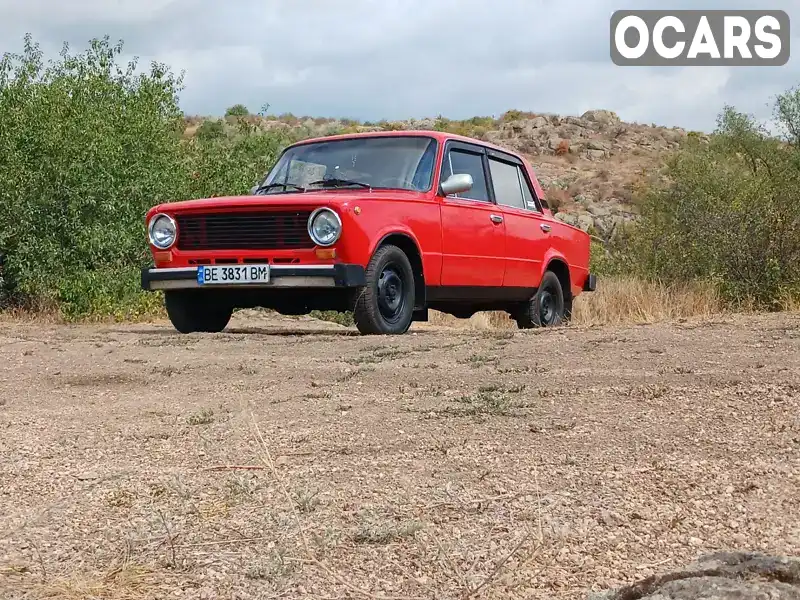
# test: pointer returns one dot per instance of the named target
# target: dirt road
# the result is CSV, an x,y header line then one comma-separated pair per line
x,y
440,464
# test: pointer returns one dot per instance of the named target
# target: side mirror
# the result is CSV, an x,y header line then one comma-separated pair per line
x,y
544,204
457,183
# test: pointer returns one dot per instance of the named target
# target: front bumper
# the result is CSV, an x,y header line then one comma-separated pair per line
x,y
590,284
281,276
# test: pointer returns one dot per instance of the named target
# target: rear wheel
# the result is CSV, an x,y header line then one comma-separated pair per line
x,y
385,305
546,308
189,313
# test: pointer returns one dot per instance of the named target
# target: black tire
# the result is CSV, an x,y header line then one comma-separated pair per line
x,y
385,305
546,308
188,313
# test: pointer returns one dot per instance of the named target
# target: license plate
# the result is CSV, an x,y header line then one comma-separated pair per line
x,y
232,274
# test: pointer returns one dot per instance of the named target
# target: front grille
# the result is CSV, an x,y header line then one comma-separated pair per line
x,y
274,230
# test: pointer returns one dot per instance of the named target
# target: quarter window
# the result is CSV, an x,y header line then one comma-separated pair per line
x,y
530,202
459,162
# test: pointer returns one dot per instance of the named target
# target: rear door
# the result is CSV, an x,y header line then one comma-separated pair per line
x,y
473,230
527,232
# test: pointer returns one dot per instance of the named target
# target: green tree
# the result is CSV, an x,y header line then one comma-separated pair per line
x,y
237,110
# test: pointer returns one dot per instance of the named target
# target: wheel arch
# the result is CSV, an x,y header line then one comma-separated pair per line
x,y
559,266
409,246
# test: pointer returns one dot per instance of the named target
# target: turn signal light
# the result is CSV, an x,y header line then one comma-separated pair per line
x,y
326,253
162,257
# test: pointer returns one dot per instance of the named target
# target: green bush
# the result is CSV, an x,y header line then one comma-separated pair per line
x,y
86,148
729,214
211,129
237,110
232,164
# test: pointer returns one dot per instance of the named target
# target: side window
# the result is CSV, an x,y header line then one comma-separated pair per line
x,y
505,179
457,162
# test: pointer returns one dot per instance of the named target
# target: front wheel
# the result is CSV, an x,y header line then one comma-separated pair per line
x,y
189,313
385,305
547,308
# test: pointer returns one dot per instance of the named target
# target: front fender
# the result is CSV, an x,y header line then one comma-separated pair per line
x,y
394,229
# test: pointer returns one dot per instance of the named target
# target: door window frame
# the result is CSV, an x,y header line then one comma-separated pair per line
x,y
485,153
470,149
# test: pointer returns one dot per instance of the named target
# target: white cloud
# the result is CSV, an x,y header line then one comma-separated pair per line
x,y
374,59
122,11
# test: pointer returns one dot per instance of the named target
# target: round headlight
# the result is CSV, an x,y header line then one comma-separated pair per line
x,y
162,231
324,227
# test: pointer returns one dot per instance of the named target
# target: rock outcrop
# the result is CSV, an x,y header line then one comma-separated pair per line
x,y
720,576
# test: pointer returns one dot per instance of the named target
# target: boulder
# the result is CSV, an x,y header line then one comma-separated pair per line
x,y
606,117
578,122
595,154
585,221
599,211
568,218
719,576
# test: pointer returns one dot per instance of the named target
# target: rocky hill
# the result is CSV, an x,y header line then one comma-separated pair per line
x,y
590,165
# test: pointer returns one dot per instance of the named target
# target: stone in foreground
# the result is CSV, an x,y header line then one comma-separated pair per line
x,y
719,576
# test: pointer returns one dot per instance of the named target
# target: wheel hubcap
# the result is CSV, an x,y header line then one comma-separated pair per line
x,y
391,294
547,307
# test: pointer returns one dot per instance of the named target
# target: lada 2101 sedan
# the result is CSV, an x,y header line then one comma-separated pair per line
x,y
384,224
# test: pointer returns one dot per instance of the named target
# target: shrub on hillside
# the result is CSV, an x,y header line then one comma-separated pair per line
x,y
211,129
232,164
237,110
729,214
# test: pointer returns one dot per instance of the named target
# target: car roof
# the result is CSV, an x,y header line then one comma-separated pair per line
x,y
441,136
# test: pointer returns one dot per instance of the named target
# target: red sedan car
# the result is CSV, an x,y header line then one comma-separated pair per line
x,y
387,225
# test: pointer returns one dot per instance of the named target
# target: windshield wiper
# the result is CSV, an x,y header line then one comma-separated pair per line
x,y
282,185
336,182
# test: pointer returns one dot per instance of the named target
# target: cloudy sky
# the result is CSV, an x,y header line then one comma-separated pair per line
x,y
395,59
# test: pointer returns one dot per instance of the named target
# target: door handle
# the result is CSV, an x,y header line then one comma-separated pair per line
x,y
496,218
545,227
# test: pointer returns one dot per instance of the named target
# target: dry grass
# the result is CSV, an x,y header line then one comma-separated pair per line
x,y
621,301
617,301
127,582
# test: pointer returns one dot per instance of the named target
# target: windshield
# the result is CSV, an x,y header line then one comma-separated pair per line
x,y
402,163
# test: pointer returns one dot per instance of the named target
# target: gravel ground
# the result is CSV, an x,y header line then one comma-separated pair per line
x,y
292,458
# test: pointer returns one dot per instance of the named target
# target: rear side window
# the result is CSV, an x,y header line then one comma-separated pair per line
x,y
459,162
506,182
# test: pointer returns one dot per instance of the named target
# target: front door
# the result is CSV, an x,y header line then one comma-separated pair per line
x,y
473,229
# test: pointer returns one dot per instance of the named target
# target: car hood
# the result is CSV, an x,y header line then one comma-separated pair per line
x,y
305,199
